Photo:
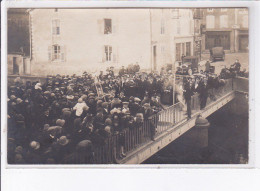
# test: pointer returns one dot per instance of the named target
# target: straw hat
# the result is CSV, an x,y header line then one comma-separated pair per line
x,y
63,140
35,145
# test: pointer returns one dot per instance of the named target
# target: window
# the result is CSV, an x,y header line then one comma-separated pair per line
x,y
162,27
56,52
245,21
223,21
107,26
210,10
243,11
108,53
175,13
210,21
56,27
188,48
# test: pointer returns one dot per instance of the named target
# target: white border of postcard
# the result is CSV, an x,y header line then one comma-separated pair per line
x,y
16,176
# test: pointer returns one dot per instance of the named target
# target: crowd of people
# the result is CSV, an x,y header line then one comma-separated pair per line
x,y
233,71
62,120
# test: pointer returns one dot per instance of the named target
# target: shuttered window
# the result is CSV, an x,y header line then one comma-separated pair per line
x,y
56,53
224,21
56,27
162,26
210,21
108,53
245,21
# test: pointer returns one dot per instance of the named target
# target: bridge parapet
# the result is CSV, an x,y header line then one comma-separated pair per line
x,y
24,79
173,116
241,84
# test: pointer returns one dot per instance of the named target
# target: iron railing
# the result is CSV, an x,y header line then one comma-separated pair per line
x,y
163,120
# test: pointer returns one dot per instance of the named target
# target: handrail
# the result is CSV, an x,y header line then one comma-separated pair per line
x,y
130,139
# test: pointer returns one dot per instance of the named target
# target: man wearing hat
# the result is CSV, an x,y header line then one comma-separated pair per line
x,y
187,96
116,103
135,107
203,92
105,109
33,155
61,148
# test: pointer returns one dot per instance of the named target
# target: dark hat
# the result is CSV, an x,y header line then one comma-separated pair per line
x,y
146,105
19,150
108,121
84,145
105,104
60,122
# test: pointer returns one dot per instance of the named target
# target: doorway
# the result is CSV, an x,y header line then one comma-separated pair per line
x,y
15,66
243,43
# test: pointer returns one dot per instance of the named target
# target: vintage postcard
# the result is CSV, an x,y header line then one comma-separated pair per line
x,y
127,85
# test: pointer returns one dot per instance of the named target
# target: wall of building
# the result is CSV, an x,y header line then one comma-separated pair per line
x,y
19,64
221,22
178,27
18,31
82,36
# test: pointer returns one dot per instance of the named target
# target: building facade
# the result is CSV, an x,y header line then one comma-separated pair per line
x,y
225,27
18,42
69,41
172,35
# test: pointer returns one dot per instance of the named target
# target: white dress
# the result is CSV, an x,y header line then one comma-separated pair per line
x,y
180,98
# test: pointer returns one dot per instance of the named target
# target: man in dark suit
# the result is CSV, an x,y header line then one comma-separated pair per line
x,y
203,93
187,96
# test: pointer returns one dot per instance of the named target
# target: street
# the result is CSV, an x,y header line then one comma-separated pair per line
x,y
229,60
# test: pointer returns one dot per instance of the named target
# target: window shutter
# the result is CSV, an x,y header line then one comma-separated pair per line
x,y
103,55
53,27
100,26
49,53
63,53
114,29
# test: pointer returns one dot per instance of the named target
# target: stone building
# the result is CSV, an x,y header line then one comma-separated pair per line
x,y
226,27
172,35
70,41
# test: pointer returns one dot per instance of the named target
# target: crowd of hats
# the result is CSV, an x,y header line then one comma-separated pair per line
x,y
61,120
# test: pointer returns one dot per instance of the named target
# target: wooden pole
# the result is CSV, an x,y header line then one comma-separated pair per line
x,y
173,83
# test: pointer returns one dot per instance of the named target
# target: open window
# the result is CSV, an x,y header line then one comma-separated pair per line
x,y
107,26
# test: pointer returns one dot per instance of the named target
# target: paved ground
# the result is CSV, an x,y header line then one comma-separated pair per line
x,y
229,60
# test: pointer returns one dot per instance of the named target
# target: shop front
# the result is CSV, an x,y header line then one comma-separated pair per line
x,y
218,39
243,40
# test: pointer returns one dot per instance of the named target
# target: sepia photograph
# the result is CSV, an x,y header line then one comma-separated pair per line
x,y
127,86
